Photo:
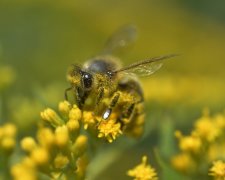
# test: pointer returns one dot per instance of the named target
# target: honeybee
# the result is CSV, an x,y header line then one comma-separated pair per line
x,y
102,86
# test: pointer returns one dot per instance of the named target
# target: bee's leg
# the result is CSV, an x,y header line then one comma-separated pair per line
x,y
99,98
128,112
113,103
100,95
65,93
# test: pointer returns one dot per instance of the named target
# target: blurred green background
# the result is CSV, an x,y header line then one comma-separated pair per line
x,y
39,39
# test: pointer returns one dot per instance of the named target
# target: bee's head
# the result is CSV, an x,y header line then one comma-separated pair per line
x,y
80,79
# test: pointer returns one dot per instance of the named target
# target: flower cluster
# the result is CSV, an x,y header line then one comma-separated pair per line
x,y
204,145
59,149
60,146
143,171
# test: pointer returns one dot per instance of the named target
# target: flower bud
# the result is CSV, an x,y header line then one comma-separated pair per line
x,y
52,117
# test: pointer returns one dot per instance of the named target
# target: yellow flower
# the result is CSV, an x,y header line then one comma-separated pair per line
x,y
40,156
206,128
52,117
28,144
143,171
7,137
73,125
25,170
82,164
183,162
60,161
75,113
189,143
61,136
64,107
8,144
46,137
219,120
218,170
109,129
88,119
80,145
9,130
216,151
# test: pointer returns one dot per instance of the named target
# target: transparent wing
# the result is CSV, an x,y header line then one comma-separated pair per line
x,y
144,70
145,67
120,39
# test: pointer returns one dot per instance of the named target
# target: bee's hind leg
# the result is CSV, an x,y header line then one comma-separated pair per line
x,y
127,114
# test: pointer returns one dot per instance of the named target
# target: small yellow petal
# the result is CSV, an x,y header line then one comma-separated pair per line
x,y
61,136
28,144
8,143
64,107
75,113
80,145
73,125
9,130
60,161
51,116
40,156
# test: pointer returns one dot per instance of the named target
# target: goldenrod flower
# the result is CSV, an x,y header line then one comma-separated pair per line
x,y
218,170
219,120
183,162
45,137
216,151
189,143
206,128
88,119
82,164
205,144
9,130
75,113
52,117
7,137
8,143
73,125
25,170
64,107
28,144
143,171
80,145
40,156
109,129
61,136
60,161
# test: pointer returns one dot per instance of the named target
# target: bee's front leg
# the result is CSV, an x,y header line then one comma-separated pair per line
x,y
100,95
65,93
112,104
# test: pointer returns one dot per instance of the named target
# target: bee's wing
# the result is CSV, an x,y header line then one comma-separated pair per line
x,y
145,67
144,70
120,39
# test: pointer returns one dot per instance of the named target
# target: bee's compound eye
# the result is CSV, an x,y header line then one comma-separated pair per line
x,y
87,79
